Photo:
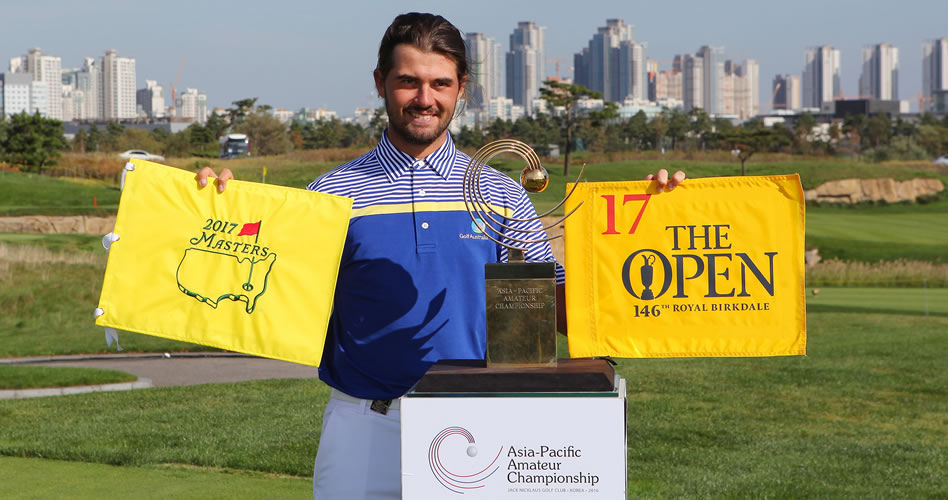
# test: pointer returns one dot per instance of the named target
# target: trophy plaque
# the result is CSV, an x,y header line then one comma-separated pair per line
x,y
521,296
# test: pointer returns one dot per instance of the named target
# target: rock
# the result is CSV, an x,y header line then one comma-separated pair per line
x,y
76,224
861,190
812,257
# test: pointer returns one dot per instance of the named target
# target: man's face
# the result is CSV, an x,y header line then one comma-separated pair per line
x,y
420,92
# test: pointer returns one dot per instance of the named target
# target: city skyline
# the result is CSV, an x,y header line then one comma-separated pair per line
x,y
232,54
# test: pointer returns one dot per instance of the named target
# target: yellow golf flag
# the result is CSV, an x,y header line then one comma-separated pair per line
x,y
712,268
252,269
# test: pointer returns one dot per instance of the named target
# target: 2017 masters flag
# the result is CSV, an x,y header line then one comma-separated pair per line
x,y
252,269
712,268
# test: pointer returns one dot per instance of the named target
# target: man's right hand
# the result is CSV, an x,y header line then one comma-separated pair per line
x,y
221,181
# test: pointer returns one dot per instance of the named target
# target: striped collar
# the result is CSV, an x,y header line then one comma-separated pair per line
x,y
395,162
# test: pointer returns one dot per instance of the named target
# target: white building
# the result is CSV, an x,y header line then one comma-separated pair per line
x,y
151,99
934,71
192,105
484,54
283,115
631,107
21,93
47,69
526,63
820,76
89,81
363,116
118,86
73,103
740,89
880,72
311,115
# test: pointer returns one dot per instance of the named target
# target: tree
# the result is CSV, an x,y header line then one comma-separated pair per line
x,y
32,140
659,128
93,138
216,125
677,127
113,131
700,126
267,135
744,142
803,132
879,129
240,110
636,132
567,95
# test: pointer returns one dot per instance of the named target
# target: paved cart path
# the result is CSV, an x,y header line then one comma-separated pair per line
x,y
158,370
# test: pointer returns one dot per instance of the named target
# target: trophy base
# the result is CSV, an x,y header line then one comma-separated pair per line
x,y
521,314
569,375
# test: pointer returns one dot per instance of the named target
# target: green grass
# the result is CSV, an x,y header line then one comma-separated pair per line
x,y
875,236
48,299
863,414
31,377
32,478
33,194
916,301
57,242
266,426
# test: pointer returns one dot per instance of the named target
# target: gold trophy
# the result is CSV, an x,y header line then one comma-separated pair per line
x,y
521,296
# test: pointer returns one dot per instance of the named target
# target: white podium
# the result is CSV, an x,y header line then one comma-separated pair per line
x,y
514,445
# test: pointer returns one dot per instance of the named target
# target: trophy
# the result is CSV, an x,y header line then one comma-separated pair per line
x,y
521,296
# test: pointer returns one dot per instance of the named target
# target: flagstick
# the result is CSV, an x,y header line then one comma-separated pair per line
x,y
257,236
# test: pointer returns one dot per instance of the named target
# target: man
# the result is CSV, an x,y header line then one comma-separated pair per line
x,y
410,289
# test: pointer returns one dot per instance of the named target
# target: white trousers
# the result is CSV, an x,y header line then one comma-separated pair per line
x,y
359,453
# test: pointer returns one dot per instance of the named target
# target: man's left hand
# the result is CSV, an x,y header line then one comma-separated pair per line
x,y
664,182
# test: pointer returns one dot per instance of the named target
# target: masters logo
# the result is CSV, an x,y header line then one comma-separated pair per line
x,y
223,265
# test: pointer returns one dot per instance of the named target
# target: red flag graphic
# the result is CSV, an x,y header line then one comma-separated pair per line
x,y
250,229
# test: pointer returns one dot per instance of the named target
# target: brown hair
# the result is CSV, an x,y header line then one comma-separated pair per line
x,y
428,33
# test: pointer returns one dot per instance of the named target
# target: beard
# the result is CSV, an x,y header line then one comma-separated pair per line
x,y
399,122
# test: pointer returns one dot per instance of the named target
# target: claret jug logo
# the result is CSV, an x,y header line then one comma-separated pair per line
x,y
224,264
455,471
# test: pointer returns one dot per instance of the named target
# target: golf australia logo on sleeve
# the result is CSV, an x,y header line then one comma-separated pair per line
x,y
226,263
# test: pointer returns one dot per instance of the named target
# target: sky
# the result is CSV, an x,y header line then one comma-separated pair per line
x,y
318,54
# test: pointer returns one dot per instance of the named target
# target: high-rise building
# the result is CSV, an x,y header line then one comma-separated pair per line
x,y
880,72
73,103
21,93
740,89
192,105
89,81
151,99
934,70
820,76
613,63
786,92
526,63
692,82
484,54
633,83
44,68
712,74
118,86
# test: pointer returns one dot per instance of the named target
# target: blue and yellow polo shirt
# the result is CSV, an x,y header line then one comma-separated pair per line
x,y
410,290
